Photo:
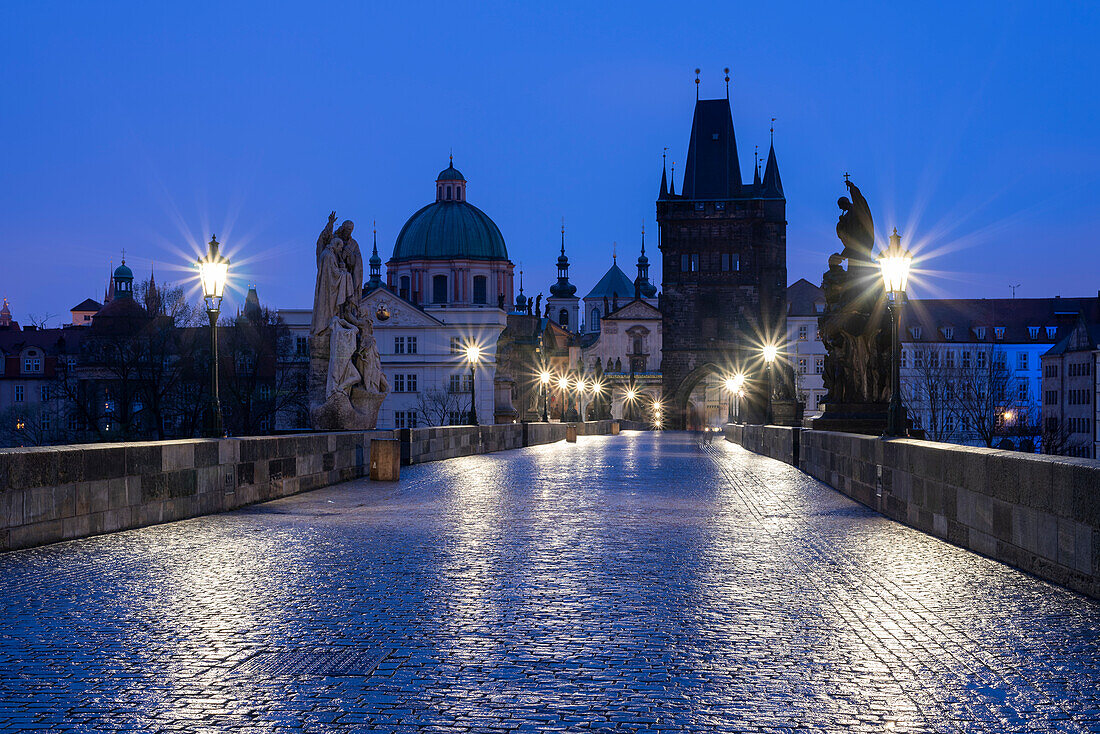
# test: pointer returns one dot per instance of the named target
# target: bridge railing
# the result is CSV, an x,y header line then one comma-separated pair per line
x,y
1035,512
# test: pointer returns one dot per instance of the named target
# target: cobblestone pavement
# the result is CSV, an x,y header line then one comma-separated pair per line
x,y
634,583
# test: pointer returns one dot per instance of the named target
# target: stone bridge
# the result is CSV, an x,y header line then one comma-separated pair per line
x,y
641,582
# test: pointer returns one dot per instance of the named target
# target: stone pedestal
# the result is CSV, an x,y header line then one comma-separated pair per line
x,y
385,460
787,413
865,418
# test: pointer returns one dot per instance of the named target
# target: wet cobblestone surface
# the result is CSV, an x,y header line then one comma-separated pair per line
x,y
634,583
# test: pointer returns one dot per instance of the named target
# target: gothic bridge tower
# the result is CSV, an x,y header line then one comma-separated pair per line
x,y
724,264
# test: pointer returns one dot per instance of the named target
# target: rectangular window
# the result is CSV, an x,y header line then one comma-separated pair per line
x,y
32,364
18,393
399,345
412,344
918,359
689,263
980,361
74,423
1021,361
404,419
904,359
301,346
399,384
1021,391
480,289
933,359
44,393
456,345
265,392
730,262
803,333
455,385
801,365
1000,360
44,421
966,360
949,359
410,383
819,365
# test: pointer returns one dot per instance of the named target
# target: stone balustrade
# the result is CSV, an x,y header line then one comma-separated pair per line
x,y
57,493
1035,512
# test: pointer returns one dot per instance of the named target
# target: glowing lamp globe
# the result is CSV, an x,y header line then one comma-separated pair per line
x,y
770,353
213,272
894,263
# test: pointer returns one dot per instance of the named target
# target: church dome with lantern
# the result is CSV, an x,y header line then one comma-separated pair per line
x,y
450,253
450,227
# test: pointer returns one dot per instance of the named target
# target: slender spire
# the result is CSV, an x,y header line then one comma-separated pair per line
x,y
643,239
375,265
563,236
672,181
773,184
664,175
614,255
756,166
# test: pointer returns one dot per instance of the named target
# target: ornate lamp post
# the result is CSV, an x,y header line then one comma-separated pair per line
x,y
770,353
473,356
563,394
894,263
213,272
733,386
629,400
544,378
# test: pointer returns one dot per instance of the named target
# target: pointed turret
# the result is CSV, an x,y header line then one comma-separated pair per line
x,y
521,300
756,172
672,181
712,171
664,183
5,314
252,310
375,262
773,185
563,288
109,290
644,288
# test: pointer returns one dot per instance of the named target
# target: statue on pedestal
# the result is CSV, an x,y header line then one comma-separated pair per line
x,y
855,326
346,384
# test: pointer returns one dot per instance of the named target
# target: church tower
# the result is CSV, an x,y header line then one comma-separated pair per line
x,y
724,266
563,302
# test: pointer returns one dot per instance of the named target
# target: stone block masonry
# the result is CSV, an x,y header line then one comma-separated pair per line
x,y
49,494
1037,513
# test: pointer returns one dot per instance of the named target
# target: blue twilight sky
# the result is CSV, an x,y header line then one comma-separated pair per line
x,y
971,126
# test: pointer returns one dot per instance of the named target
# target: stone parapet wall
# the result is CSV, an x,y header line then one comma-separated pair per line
x,y
56,493
777,442
1037,513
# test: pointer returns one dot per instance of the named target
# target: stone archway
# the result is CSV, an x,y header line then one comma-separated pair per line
x,y
679,401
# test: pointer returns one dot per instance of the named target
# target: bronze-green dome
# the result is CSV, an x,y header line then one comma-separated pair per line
x,y
450,230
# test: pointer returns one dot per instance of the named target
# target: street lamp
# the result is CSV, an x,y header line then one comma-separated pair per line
x,y
544,378
473,356
894,263
213,272
733,386
770,353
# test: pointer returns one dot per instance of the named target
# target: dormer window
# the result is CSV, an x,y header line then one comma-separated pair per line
x,y
999,332
1033,332
979,331
949,332
1051,331
916,330
32,362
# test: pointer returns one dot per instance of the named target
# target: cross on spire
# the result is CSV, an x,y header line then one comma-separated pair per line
x,y
123,255
845,177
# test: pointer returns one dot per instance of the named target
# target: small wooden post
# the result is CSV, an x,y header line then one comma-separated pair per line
x,y
385,460
614,428
571,433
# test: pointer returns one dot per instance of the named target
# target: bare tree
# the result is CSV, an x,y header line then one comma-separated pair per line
x,y
43,321
262,379
435,407
930,390
985,392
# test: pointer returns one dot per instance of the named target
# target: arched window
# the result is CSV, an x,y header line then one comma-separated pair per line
x,y
439,289
563,318
594,322
439,192
404,290
448,192
480,288
639,344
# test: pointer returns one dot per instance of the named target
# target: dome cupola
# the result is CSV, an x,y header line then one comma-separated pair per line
x,y
450,228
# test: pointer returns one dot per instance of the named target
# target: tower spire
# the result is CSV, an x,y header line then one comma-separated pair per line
x,y
773,184
672,181
664,174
